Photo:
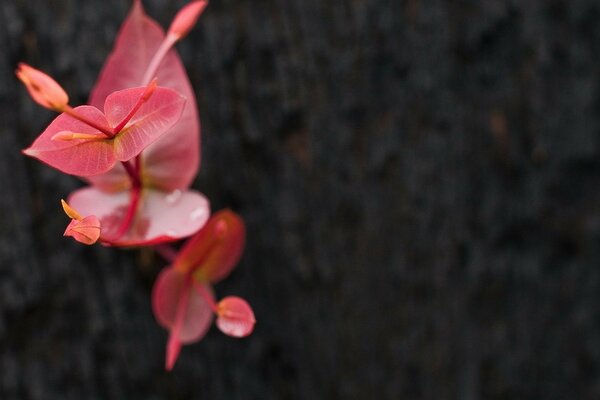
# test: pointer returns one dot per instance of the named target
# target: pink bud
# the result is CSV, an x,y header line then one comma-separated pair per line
x,y
235,317
86,230
186,18
43,89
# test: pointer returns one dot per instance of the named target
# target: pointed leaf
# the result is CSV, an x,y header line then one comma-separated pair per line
x,y
78,156
173,297
235,317
161,216
213,252
85,230
172,161
150,122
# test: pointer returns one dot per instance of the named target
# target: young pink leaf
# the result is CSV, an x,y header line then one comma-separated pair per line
x,y
186,18
172,161
152,120
86,230
213,252
180,309
42,88
160,217
78,156
235,317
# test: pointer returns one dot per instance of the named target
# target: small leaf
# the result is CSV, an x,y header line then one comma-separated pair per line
x,y
85,230
213,252
235,317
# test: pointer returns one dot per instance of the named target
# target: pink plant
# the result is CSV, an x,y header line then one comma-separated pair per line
x,y
182,298
140,156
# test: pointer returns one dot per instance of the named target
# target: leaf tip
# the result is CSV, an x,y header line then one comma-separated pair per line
x,y
173,350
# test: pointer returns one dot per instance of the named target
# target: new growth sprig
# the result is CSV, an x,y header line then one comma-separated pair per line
x,y
137,144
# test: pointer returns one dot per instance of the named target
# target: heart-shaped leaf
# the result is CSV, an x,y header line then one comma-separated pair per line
x,y
152,120
235,317
82,157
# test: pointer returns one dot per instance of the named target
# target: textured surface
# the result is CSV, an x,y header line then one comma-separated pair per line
x,y
421,183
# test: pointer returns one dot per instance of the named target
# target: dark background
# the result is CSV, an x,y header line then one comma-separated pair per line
x,y
420,181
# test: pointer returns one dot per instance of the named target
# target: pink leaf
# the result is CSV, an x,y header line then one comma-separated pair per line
x,y
172,161
213,252
235,317
85,230
181,310
169,289
150,122
75,157
161,216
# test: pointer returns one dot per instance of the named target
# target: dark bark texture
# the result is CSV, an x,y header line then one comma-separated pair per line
x,y
420,181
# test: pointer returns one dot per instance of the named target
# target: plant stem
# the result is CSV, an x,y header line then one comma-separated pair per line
x,y
201,290
160,54
166,251
71,111
131,211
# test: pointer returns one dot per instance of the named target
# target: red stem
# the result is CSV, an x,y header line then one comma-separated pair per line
x,y
133,172
70,111
131,211
201,290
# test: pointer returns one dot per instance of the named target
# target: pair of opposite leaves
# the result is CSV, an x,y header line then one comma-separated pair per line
x,y
86,142
154,131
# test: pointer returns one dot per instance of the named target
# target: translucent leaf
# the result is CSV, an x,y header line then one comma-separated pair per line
x,y
215,250
85,230
75,157
150,122
161,216
235,317
172,161
172,294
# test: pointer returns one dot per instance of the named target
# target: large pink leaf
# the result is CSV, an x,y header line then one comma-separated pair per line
x,y
171,162
78,156
150,122
214,251
160,217
169,288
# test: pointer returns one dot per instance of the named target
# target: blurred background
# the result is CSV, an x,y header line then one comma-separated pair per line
x,y
421,186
